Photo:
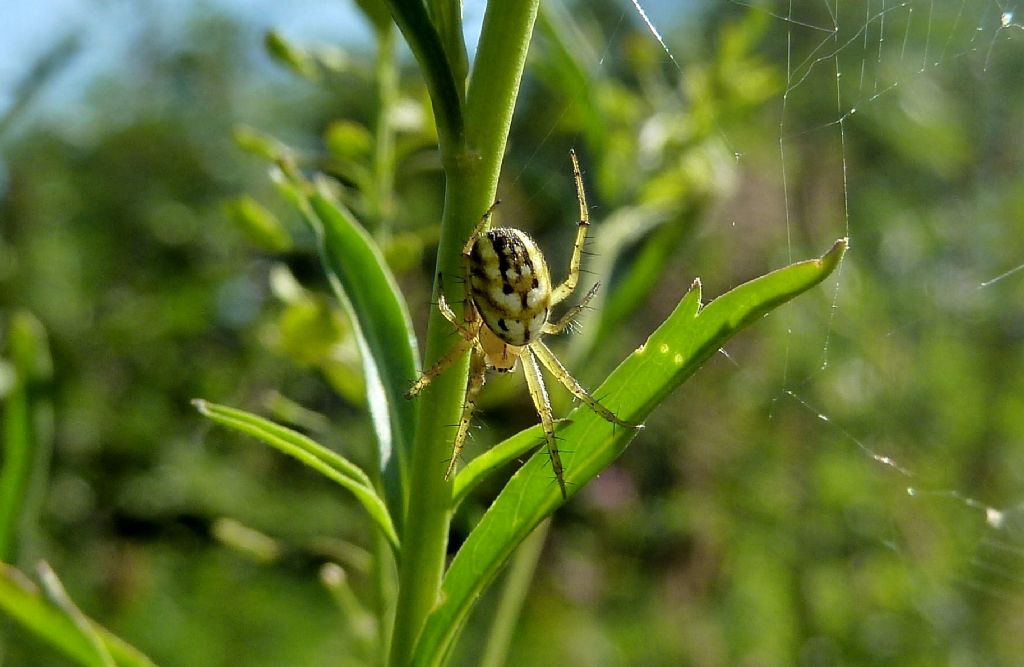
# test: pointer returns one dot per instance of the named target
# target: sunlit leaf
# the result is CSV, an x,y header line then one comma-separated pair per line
x,y
365,285
497,457
673,352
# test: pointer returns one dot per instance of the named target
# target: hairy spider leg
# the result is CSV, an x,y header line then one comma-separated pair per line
x,y
472,328
568,286
570,315
481,227
467,331
440,367
539,394
477,377
446,310
561,374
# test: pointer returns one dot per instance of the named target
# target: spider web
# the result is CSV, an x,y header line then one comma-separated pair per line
x,y
901,63
898,125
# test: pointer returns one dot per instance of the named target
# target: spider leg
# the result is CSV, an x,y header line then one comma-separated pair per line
x,y
441,366
480,228
477,377
552,363
446,310
567,319
539,394
569,285
465,328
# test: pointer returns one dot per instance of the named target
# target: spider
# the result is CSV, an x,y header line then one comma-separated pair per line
x,y
509,297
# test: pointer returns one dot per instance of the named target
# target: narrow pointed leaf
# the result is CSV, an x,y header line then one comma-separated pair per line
x,y
446,91
366,287
23,601
673,352
325,461
496,457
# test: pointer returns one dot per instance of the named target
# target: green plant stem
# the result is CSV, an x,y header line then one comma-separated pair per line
x,y
471,169
672,353
517,585
494,85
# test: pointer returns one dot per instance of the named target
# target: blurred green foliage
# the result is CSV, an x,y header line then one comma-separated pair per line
x,y
743,528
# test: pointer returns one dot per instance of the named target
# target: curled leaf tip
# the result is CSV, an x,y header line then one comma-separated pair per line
x,y
831,258
840,246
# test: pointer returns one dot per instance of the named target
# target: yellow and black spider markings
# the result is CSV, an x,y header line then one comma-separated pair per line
x,y
508,301
510,285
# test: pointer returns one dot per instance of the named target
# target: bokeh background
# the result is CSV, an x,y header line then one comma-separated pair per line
x,y
843,485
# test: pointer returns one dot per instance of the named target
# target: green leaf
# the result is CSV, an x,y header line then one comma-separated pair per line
x,y
259,225
260,144
673,352
28,605
377,12
517,585
498,456
325,461
291,56
446,15
58,596
25,448
446,89
348,139
365,286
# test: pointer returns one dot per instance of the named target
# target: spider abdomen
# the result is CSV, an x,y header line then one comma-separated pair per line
x,y
508,299
510,285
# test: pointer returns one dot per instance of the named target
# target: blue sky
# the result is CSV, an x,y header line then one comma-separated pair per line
x,y
108,29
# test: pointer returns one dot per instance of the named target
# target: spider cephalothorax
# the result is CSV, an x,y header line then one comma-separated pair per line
x,y
509,297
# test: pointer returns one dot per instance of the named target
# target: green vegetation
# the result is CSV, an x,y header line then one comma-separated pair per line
x,y
214,238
